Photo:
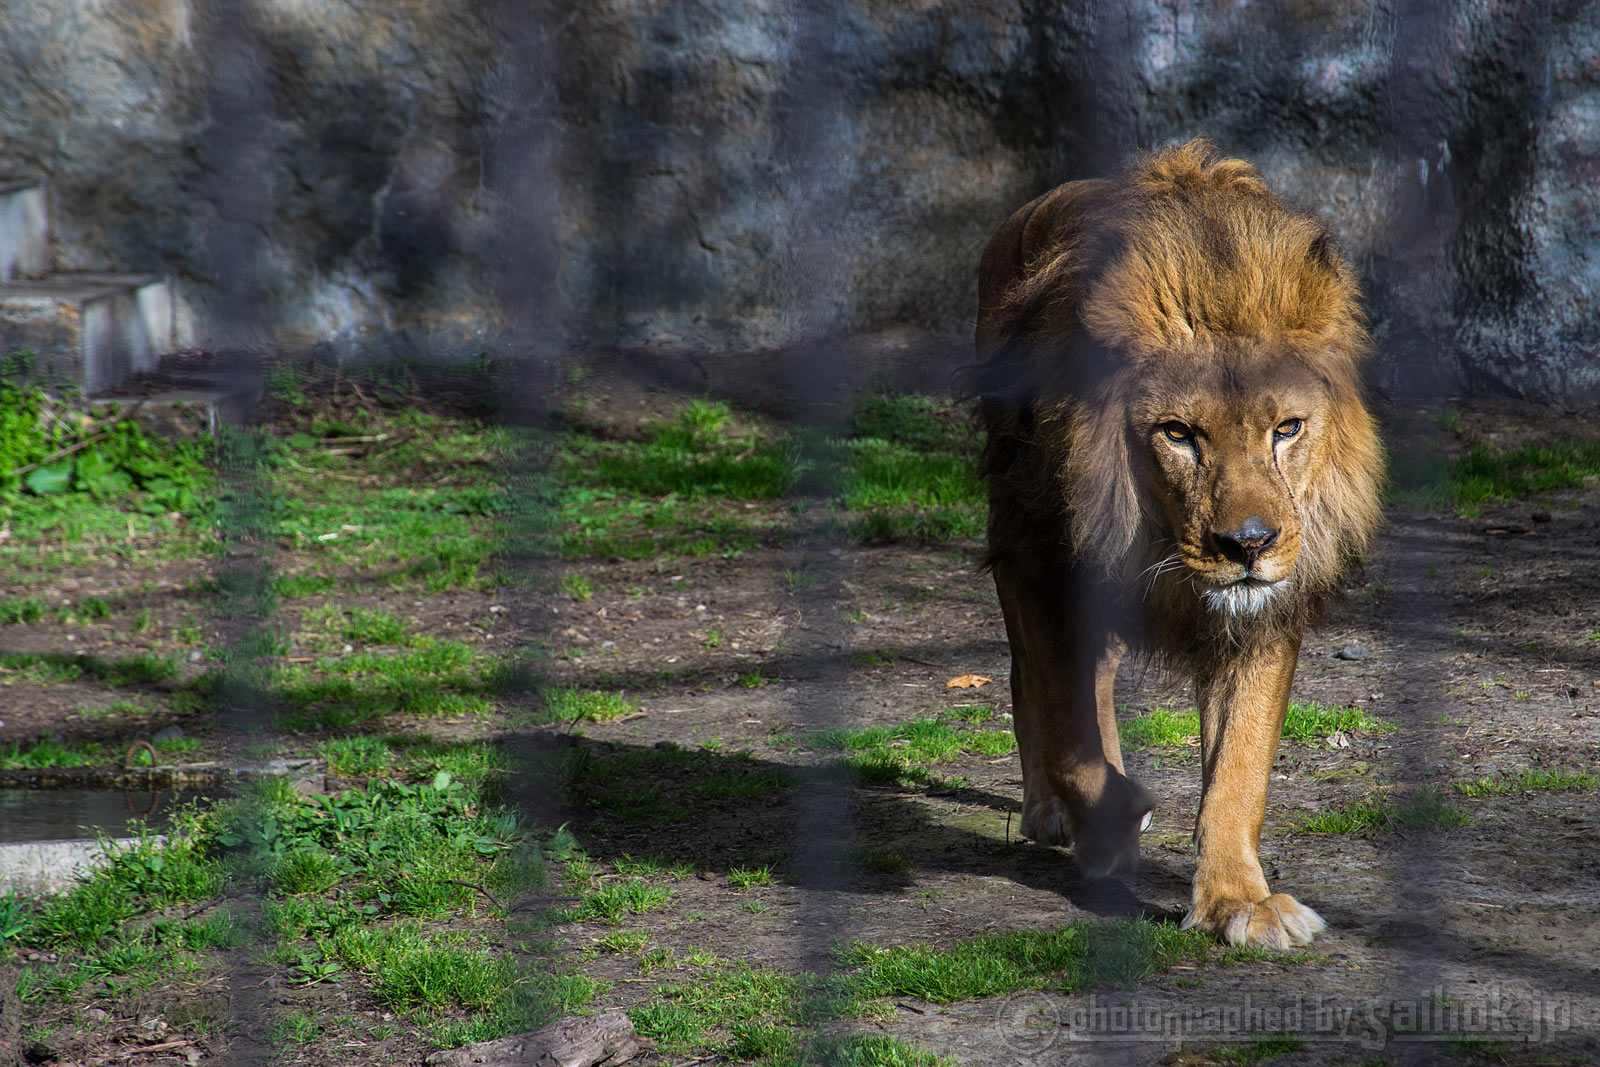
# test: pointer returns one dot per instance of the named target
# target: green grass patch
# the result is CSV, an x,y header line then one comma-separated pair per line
x,y
359,756
1258,1049
570,704
1530,781
1309,722
906,751
906,470
612,901
1306,722
20,610
143,668
1487,474
431,677
1070,958
1420,811
48,752
1160,728
749,877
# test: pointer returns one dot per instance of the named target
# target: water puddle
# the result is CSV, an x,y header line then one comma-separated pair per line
x,y
28,815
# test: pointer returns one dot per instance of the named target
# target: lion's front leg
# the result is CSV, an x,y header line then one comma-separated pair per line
x,y
1241,715
1073,785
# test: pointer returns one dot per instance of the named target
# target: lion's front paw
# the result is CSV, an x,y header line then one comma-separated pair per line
x,y
1280,921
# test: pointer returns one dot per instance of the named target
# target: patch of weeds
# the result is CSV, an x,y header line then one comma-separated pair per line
x,y
891,753
468,761
615,899
90,608
141,669
754,679
881,861
409,969
699,453
1160,728
648,866
657,959
363,626
1531,781
73,457
177,746
307,870
681,1012
1486,474
570,704
1305,721
1421,811
1310,722
971,714
1258,1049
116,707
294,1028
1070,958
749,877
577,586
358,756
48,752
623,941
25,609
938,524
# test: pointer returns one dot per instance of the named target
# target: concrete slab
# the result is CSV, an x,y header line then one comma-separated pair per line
x,y
88,330
33,867
24,229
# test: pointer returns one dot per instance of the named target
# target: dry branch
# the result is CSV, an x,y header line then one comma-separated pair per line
x,y
598,1041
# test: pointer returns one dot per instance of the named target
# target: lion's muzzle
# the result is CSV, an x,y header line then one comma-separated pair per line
x,y
1245,544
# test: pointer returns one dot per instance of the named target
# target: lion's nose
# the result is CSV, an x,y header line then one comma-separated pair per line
x,y
1243,545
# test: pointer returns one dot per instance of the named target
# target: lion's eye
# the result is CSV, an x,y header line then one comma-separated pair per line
x,y
1177,431
1287,429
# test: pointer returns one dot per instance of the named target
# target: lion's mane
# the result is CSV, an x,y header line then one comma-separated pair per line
x,y
1184,248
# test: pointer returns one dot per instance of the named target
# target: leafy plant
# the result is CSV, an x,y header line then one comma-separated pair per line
x,y
51,448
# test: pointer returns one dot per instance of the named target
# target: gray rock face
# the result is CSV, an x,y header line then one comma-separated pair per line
x,y
719,174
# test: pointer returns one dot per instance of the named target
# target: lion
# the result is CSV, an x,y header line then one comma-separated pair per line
x,y
1179,463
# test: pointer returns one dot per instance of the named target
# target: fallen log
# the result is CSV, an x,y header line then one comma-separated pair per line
x,y
596,1041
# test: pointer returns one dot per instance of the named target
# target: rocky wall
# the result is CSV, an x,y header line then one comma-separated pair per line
x,y
737,174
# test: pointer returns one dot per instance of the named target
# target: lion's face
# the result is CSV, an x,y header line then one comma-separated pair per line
x,y
1233,446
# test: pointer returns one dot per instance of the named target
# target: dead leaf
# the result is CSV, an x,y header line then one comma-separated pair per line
x,y
968,681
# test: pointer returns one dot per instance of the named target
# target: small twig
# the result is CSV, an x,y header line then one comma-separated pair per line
x,y
198,908
474,885
103,426
539,902
61,454
913,659
367,440
165,1046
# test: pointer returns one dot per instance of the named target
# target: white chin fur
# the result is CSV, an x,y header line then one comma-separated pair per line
x,y
1241,598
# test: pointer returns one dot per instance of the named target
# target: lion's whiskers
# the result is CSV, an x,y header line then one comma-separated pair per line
x,y
1150,574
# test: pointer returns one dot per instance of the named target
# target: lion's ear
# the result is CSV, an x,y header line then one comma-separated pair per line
x,y
1100,482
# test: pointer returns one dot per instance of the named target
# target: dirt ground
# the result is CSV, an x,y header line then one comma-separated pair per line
x,y
1480,637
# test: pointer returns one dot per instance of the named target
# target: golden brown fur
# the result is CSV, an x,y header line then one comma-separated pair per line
x,y
1179,461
